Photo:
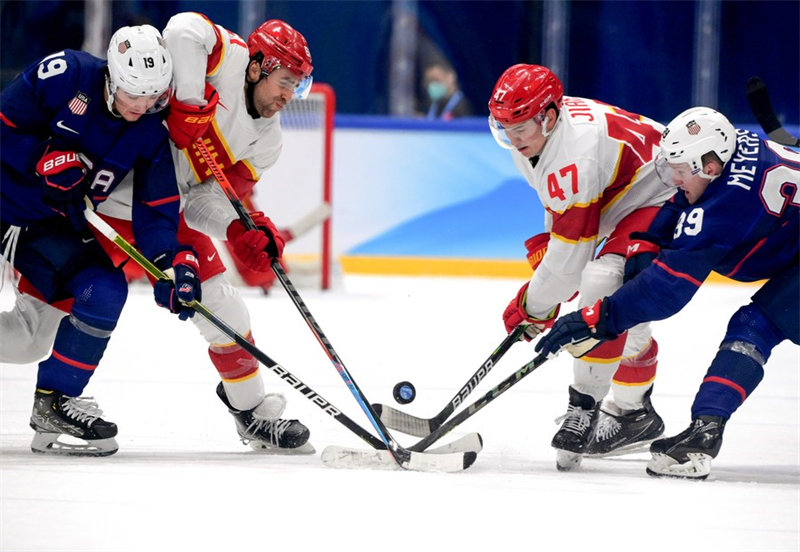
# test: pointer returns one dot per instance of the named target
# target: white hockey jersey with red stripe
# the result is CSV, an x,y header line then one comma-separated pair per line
x,y
595,169
243,147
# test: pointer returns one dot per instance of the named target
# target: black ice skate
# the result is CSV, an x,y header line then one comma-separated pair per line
x,y
688,455
70,426
271,435
618,433
576,429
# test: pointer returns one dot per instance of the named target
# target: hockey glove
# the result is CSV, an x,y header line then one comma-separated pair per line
x,y
183,288
578,332
515,314
63,177
256,248
642,250
187,123
645,246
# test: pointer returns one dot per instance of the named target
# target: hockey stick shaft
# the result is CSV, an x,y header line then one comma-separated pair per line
x,y
240,340
468,412
760,104
400,454
420,427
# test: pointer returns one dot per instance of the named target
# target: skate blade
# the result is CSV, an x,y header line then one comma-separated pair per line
x,y
59,444
633,448
568,461
697,467
268,448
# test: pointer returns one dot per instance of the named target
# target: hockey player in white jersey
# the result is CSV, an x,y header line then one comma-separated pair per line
x,y
229,93
591,165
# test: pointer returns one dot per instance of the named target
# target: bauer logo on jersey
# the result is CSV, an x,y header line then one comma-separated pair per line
x,y
693,127
79,103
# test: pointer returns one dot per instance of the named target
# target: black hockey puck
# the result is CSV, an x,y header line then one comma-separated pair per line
x,y
404,392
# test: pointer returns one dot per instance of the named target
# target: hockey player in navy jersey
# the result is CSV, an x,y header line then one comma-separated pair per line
x,y
736,213
73,126
252,81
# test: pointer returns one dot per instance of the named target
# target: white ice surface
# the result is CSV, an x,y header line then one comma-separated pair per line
x,y
183,481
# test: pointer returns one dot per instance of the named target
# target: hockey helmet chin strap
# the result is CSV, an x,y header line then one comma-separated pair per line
x,y
250,88
546,133
249,91
110,97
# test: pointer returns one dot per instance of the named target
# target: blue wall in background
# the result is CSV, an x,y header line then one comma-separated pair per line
x,y
637,55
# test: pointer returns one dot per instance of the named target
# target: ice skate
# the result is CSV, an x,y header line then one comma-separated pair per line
x,y
268,434
70,426
619,432
576,429
688,455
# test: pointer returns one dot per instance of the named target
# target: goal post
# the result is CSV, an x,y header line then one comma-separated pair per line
x,y
297,192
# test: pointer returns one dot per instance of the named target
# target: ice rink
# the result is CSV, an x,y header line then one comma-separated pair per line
x,y
183,481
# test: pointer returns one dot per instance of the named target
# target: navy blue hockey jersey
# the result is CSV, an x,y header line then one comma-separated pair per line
x,y
745,226
59,103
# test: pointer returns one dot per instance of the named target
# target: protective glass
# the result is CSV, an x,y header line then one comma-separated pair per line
x,y
159,101
522,130
300,88
672,174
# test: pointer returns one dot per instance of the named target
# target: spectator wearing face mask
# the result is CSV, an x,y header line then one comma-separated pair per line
x,y
447,101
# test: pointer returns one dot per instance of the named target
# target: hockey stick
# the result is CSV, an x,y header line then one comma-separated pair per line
x,y
420,427
491,395
760,104
416,460
308,221
343,455
402,456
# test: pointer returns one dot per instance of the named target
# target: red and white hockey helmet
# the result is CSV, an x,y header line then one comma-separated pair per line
x,y
282,46
693,134
139,64
520,98
523,92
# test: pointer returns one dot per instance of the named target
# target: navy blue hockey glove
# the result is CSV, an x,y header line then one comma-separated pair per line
x,y
185,288
63,176
578,332
642,251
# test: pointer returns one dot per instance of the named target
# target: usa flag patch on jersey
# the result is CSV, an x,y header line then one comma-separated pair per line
x,y
693,127
79,103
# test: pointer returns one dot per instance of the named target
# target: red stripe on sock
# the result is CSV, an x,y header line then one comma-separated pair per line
x,y
729,383
73,363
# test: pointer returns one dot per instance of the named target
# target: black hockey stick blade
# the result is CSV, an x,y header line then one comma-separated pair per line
x,y
420,427
490,395
760,104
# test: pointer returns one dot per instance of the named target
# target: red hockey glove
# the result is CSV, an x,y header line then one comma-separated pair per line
x,y
515,314
187,123
184,288
578,332
256,248
63,176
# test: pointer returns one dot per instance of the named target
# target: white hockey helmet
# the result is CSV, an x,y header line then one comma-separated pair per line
x,y
139,64
693,134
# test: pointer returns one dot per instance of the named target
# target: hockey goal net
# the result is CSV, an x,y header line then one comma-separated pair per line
x,y
296,192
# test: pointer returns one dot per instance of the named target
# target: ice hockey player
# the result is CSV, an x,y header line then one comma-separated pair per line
x,y
72,126
591,165
252,82
737,214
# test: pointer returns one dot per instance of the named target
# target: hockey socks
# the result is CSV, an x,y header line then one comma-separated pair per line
x,y
730,379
